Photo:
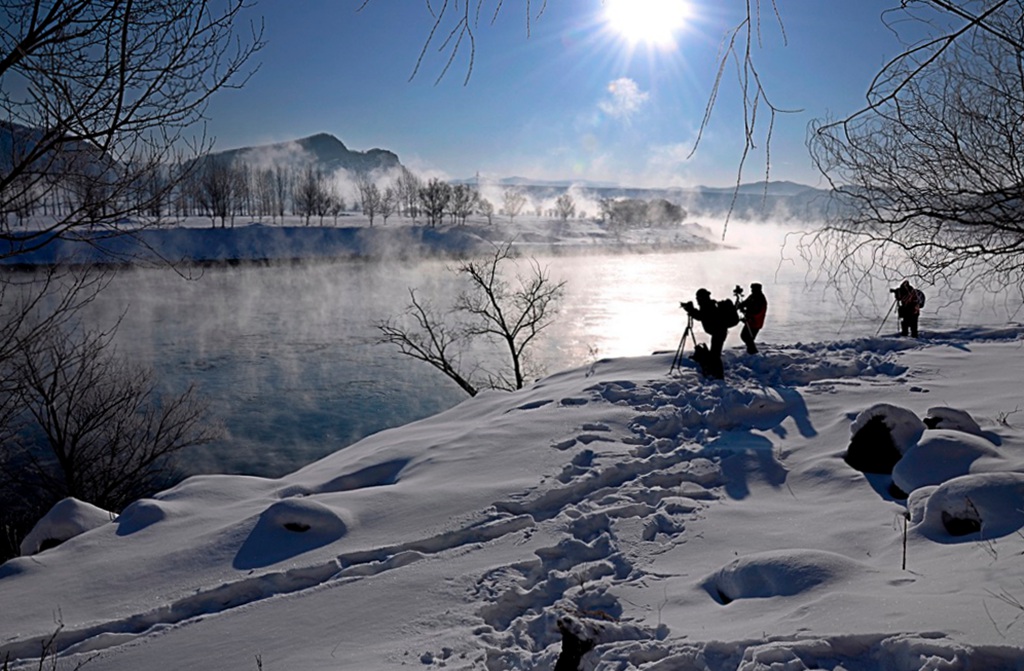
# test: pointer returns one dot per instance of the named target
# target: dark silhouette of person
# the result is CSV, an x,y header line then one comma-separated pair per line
x,y
754,308
908,308
710,316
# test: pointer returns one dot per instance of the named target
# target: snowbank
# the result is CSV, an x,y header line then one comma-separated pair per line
x,y
660,521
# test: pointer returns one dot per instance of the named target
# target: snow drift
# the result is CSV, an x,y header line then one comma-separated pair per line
x,y
667,521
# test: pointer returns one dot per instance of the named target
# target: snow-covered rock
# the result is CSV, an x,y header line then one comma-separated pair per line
x,y
905,426
68,518
880,436
952,419
940,456
983,506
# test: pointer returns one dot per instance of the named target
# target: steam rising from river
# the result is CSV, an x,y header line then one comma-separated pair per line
x,y
289,357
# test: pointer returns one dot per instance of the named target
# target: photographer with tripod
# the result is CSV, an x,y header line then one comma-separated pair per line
x,y
754,309
716,317
910,302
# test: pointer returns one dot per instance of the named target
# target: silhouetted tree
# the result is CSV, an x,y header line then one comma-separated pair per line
x,y
97,97
369,197
433,198
624,213
462,202
486,209
408,186
107,430
217,190
510,314
265,194
929,179
113,90
81,421
311,194
388,203
661,212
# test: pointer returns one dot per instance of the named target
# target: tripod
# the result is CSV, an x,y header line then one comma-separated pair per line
x,y
894,302
678,358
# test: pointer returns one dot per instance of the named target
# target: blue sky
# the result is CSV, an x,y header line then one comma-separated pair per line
x,y
573,100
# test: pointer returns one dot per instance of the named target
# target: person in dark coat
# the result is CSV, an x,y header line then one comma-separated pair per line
x,y
909,308
708,314
754,308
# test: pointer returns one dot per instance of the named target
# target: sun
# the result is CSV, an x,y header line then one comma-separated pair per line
x,y
653,22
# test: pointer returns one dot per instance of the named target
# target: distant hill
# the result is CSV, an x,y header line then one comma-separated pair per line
x,y
774,188
328,152
528,182
778,188
17,142
756,201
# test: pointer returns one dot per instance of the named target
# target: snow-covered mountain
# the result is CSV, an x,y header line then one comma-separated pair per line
x,y
326,151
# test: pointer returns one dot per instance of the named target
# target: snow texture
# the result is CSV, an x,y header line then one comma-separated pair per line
x,y
665,521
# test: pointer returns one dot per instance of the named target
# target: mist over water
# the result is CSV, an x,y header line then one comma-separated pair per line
x,y
289,359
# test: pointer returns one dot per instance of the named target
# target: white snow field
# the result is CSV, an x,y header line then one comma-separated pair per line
x,y
676,523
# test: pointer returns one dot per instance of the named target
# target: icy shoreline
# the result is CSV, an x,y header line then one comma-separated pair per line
x,y
255,243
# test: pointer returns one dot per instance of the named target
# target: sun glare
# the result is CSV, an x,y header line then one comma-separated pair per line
x,y
650,21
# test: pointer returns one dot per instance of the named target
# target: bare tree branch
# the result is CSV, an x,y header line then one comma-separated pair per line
x,y
511,314
929,182
97,96
92,425
433,341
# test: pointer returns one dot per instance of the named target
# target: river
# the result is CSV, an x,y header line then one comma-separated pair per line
x,y
289,359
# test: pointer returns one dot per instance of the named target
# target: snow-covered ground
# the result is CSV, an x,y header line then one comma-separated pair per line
x,y
676,523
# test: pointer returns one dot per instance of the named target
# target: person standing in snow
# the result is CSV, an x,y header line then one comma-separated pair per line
x,y
754,308
909,307
713,316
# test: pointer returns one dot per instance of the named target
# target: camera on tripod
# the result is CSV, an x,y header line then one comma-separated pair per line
x,y
686,304
738,291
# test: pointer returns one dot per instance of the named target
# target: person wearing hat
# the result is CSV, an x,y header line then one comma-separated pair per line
x,y
710,317
754,309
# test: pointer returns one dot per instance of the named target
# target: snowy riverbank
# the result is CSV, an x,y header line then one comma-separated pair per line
x,y
677,523
195,241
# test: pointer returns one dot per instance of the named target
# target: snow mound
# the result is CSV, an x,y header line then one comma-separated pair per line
x,y
906,427
778,573
68,518
978,507
881,435
374,475
952,419
139,515
940,456
289,528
